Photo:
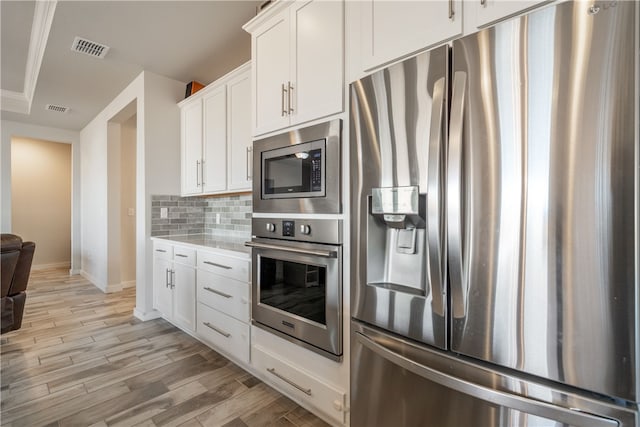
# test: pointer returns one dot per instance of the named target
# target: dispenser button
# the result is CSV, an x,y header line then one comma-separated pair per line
x,y
271,227
305,229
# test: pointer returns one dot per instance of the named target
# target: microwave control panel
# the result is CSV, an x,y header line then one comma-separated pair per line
x,y
316,170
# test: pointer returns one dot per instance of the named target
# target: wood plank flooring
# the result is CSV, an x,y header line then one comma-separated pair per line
x,y
82,359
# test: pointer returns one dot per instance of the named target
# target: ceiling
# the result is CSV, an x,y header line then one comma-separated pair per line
x,y
183,40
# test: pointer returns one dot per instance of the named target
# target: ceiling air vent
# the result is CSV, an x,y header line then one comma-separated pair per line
x,y
57,108
90,48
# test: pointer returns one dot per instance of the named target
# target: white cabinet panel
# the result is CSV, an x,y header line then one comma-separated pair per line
x,y
239,146
394,29
234,268
191,148
214,158
224,332
162,294
184,296
488,11
229,296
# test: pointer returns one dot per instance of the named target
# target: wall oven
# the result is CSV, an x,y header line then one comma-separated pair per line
x,y
297,281
298,171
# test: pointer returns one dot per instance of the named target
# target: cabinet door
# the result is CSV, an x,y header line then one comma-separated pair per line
x,y
239,135
270,47
493,10
214,177
191,148
317,66
162,295
394,29
184,296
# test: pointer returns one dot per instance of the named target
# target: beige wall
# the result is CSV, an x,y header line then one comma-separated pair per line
x,y
41,198
128,200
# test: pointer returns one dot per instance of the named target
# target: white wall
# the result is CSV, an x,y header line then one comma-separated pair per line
x,y
128,200
10,129
157,172
41,199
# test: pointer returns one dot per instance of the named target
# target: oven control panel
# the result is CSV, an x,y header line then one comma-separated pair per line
x,y
306,230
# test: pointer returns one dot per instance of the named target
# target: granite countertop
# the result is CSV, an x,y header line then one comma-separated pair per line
x,y
222,243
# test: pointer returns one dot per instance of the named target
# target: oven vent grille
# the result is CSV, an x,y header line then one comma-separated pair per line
x,y
90,48
57,108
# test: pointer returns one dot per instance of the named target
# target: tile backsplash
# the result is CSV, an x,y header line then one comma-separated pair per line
x,y
229,216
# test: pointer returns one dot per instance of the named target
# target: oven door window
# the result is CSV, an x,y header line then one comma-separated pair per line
x,y
295,288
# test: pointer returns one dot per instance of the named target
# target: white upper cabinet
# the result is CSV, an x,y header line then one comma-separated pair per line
x,y
392,30
191,120
239,155
297,50
216,136
489,11
214,164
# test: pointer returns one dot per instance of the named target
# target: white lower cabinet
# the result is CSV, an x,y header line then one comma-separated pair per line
x,y
224,333
298,382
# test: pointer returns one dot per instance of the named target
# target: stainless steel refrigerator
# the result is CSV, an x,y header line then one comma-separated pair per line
x,y
495,211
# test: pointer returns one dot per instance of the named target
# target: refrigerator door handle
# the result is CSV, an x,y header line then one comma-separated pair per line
x,y
434,193
457,271
513,401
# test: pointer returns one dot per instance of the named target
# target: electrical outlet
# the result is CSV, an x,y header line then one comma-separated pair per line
x,y
131,212
217,218
164,212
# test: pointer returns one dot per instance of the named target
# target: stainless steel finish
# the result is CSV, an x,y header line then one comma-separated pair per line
x,y
293,249
182,255
215,264
548,183
217,292
396,115
220,331
166,278
325,339
320,230
282,107
331,201
202,172
304,229
290,97
273,371
436,388
197,173
457,272
451,12
249,160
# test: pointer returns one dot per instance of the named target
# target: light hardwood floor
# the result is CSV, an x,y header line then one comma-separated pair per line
x,y
82,359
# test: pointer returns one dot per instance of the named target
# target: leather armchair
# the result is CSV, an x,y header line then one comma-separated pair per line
x,y
16,258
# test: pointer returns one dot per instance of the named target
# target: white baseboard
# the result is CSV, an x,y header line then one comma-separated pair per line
x,y
94,281
74,272
153,314
38,267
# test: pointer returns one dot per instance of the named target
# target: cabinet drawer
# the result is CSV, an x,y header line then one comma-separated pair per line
x,y
299,383
163,250
223,294
223,332
233,268
186,256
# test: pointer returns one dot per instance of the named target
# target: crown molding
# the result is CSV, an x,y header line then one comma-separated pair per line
x,y
264,16
41,27
15,102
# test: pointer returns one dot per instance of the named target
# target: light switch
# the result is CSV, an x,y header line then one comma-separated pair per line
x,y
164,212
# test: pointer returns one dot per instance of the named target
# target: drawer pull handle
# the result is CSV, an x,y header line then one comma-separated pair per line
x,y
306,391
222,294
182,255
210,326
160,250
226,267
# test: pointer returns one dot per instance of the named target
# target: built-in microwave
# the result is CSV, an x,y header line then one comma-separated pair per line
x,y
298,171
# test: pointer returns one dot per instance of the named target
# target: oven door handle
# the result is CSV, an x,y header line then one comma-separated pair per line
x,y
314,252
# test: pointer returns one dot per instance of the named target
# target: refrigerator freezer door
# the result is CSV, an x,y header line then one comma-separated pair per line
x,y
397,383
542,196
398,148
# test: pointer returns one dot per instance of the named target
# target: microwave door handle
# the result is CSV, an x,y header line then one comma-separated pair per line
x,y
302,251
434,192
457,271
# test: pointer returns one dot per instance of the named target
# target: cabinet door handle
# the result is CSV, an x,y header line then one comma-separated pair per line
x,y
282,109
451,12
222,294
290,97
306,391
226,267
483,2
221,332
166,277
160,250
202,172
249,162
197,173
182,255
172,282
